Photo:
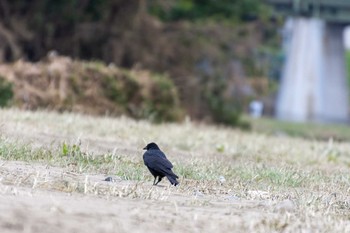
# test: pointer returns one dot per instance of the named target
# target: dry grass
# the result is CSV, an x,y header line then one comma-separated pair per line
x,y
229,179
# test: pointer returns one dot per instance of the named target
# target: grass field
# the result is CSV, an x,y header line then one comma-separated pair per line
x,y
53,166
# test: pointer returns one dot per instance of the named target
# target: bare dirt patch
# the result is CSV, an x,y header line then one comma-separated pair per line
x,y
33,188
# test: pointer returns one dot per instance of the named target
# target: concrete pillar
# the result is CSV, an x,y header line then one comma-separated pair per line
x,y
313,86
334,85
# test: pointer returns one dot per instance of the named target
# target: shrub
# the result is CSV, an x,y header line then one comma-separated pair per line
x,y
6,92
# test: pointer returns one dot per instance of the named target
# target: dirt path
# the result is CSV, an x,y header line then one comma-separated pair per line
x,y
29,202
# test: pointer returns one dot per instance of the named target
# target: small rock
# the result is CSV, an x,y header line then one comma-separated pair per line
x,y
198,193
110,179
222,179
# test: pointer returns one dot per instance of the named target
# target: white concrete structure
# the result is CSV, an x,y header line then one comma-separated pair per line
x,y
347,38
314,84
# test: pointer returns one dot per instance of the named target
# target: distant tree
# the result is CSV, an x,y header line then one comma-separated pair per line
x,y
236,10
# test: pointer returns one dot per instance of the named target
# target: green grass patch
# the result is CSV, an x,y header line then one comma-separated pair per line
x,y
313,131
347,61
71,156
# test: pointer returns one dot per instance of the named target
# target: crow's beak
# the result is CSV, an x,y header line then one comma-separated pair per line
x,y
145,148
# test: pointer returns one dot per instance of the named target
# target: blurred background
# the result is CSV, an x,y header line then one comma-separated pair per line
x,y
217,61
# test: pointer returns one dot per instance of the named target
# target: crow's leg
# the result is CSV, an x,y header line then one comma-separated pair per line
x,y
154,182
159,179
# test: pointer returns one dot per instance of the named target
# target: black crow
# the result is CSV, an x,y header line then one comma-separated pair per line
x,y
158,164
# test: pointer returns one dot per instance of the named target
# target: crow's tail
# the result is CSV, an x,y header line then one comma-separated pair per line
x,y
172,179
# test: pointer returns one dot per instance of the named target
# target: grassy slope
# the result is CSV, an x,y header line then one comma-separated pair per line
x,y
347,63
265,169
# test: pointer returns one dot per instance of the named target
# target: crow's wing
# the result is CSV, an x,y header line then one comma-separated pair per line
x,y
157,153
162,166
158,163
